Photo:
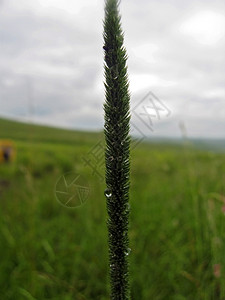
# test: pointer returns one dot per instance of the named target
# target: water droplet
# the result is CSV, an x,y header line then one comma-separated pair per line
x,y
108,193
128,251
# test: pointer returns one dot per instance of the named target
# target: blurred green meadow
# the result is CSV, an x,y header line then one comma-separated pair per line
x,y
177,220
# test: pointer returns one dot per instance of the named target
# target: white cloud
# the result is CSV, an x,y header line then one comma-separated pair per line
x,y
144,81
206,27
146,52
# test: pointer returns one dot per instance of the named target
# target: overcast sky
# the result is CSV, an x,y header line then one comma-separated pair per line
x,y
51,64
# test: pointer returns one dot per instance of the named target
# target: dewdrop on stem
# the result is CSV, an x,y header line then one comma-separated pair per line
x,y
127,252
108,193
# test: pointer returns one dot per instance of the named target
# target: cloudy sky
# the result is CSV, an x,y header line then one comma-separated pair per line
x,y
51,64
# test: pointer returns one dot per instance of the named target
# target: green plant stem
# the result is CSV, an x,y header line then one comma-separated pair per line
x,y
117,117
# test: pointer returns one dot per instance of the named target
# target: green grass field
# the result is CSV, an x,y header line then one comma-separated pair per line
x,y
49,251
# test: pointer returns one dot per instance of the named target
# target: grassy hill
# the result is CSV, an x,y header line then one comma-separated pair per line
x,y
43,134
51,251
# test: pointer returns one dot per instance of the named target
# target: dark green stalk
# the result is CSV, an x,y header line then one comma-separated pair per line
x,y
117,118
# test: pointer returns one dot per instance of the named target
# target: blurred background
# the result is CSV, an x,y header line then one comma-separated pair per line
x,y
53,232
